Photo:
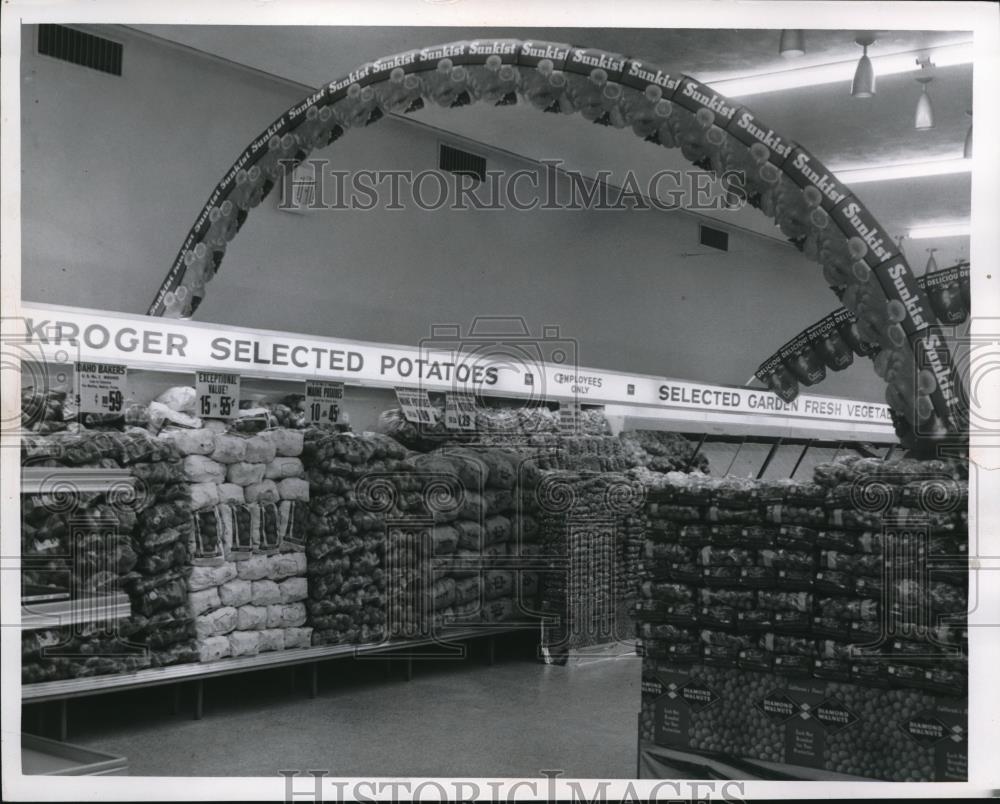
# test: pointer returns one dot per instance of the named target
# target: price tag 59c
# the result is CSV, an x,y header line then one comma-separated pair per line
x,y
101,387
217,394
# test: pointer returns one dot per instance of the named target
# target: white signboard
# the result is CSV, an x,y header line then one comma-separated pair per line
x,y
323,400
416,405
146,342
101,387
217,394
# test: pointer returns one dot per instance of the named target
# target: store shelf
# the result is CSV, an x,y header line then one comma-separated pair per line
x,y
80,611
62,479
97,685
44,757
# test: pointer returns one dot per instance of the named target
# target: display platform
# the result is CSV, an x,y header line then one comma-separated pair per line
x,y
44,757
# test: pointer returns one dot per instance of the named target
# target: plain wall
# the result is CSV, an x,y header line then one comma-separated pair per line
x,y
115,169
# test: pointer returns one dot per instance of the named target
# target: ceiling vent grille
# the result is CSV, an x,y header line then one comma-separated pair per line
x,y
81,48
454,160
714,238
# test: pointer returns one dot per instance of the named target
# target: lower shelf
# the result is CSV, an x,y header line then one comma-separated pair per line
x,y
96,685
44,757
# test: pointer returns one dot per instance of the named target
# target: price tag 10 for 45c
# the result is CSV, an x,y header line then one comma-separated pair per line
x,y
217,394
323,400
415,405
101,387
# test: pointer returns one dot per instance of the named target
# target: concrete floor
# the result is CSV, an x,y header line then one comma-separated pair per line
x,y
454,718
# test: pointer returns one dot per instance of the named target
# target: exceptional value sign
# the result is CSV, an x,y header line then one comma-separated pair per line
x,y
101,387
141,341
217,394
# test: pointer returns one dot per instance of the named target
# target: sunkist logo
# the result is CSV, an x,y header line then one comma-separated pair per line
x,y
491,46
547,52
898,273
768,138
443,52
660,78
603,61
822,182
852,211
713,101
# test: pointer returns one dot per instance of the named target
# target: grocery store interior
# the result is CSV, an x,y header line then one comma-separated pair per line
x,y
409,487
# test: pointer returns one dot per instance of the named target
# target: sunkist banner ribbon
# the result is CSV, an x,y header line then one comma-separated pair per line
x,y
663,108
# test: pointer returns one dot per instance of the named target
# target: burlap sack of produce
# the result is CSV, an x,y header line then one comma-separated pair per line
x,y
467,613
286,615
293,590
298,637
213,648
215,623
180,397
498,501
266,491
287,443
438,595
251,618
202,469
236,592
293,488
470,534
443,540
260,449
467,557
468,589
497,529
528,585
216,426
526,526
191,442
284,467
494,551
253,569
498,610
231,493
286,565
473,507
229,448
498,583
204,495
265,592
205,600
243,473
272,639
244,643
205,577
502,470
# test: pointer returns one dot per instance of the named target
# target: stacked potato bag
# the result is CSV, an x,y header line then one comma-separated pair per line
x,y
130,538
353,480
247,539
857,580
663,451
464,565
590,524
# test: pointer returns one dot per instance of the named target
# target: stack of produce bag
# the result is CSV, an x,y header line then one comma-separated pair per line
x,y
353,480
856,581
471,562
130,538
246,542
590,524
661,451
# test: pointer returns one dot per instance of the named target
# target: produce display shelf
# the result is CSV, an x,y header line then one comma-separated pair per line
x,y
199,671
63,613
63,480
42,756
660,762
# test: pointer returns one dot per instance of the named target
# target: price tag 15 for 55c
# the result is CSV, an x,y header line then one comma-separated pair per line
x,y
415,405
217,394
323,400
101,387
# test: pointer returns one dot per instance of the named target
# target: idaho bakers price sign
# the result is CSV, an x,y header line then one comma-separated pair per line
x,y
53,333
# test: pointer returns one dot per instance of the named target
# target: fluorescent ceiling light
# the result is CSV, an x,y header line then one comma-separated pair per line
x,y
902,170
960,229
736,86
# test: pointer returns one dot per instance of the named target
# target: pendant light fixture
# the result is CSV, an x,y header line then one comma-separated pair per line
x,y
863,85
793,43
932,265
967,151
923,119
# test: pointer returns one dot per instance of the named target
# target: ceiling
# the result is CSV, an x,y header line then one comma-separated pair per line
x,y
841,130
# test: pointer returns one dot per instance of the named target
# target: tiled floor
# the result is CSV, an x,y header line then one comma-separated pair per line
x,y
454,718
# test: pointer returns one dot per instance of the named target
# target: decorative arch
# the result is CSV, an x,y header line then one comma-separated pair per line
x,y
813,209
